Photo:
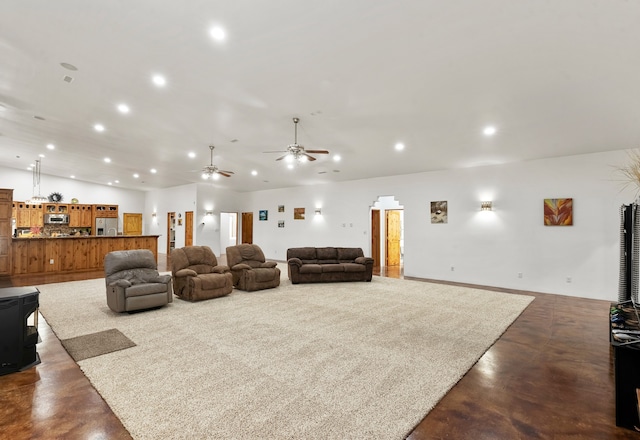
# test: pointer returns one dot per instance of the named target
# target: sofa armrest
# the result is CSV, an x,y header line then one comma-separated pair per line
x,y
363,260
120,283
294,262
269,264
186,273
221,269
164,279
241,266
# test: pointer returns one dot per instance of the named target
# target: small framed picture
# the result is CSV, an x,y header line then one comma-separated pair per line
x,y
439,212
280,208
281,223
298,213
263,215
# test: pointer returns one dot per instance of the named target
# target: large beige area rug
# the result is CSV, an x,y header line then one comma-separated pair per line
x,y
313,361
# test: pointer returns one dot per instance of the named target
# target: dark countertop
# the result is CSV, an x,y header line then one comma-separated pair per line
x,y
81,236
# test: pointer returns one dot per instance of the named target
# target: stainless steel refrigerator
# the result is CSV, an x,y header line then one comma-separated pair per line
x,y
106,226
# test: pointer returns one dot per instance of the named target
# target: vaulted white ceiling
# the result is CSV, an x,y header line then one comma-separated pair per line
x,y
554,77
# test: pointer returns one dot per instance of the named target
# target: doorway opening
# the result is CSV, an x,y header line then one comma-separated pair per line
x,y
171,232
387,236
228,230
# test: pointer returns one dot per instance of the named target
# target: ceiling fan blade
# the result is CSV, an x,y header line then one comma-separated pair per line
x,y
309,158
225,173
317,151
282,157
275,151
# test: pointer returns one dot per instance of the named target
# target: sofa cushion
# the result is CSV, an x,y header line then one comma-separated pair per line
x,y
211,281
145,289
311,268
264,274
348,255
354,267
327,253
305,253
332,268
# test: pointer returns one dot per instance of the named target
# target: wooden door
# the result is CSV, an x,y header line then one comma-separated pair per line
x,y
188,228
247,227
394,227
132,223
375,237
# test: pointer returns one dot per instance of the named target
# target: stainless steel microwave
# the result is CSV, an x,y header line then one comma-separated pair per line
x,y
60,219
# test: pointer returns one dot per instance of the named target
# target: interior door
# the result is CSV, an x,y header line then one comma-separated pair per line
x,y
132,224
394,230
375,237
188,228
247,227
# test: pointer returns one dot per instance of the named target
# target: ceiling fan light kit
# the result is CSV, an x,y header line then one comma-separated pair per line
x,y
211,171
296,152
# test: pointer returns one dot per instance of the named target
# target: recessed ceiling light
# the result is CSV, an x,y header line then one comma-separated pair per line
x,y
109,183
218,33
72,176
254,173
337,158
136,175
107,160
192,154
69,66
159,80
489,130
51,146
153,170
41,155
123,108
98,127
399,146
117,181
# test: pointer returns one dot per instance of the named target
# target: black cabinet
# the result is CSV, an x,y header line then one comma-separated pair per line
x,y
18,329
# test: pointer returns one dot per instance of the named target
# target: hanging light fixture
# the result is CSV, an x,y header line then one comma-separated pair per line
x,y
36,197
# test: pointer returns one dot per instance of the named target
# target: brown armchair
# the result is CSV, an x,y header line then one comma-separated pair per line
x,y
197,275
250,270
133,281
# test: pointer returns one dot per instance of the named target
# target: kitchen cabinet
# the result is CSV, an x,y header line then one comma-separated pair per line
x,y
56,208
6,205
28,215
105,211
80,216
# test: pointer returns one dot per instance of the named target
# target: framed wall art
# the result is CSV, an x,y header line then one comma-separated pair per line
x,y
558,212
439,212
298,213
281,223
263,215
280,208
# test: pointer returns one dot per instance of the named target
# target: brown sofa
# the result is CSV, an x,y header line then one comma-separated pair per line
x,y
133,282
328,264
197,275
249,268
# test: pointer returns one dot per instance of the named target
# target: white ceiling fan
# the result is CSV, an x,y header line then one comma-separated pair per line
x,y
213,172
295,151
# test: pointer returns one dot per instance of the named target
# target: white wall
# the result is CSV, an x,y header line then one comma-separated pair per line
x,y
486,248
128,201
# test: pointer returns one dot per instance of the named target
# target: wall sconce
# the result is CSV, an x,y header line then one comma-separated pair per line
x,y
318,211
154,215
486,206
208,213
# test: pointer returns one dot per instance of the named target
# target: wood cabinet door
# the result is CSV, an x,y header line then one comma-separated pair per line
x,y
132,223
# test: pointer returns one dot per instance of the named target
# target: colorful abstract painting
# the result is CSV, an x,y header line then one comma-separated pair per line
x,y
558,212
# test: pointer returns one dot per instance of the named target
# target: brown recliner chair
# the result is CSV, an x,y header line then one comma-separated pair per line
x,y
133,281
249,268
197,275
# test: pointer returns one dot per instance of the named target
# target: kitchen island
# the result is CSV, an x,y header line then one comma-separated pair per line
x,y
72,254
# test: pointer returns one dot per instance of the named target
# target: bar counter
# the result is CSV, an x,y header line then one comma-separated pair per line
x,y
61,255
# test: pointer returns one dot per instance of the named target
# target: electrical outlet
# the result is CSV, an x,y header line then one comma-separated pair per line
x,y
568,279
519,274
51,261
